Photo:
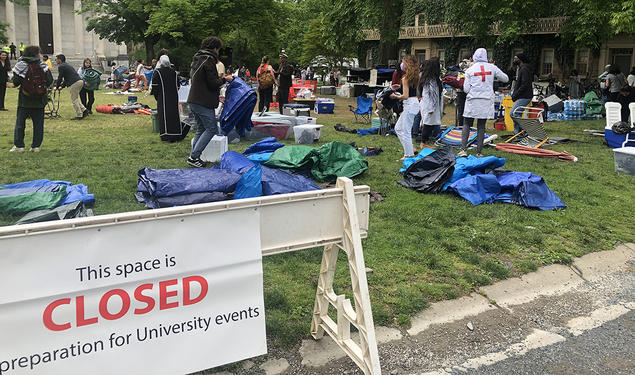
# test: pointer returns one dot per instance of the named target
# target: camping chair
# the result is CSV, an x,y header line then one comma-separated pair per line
x,y
364,109
531,127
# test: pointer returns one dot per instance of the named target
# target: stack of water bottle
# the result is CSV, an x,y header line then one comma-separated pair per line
x,y
573,110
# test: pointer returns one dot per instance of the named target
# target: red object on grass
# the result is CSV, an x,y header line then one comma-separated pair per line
x,y
540,153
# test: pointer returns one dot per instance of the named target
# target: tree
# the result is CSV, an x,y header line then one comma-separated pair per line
x,y
3,33
316,46
123,21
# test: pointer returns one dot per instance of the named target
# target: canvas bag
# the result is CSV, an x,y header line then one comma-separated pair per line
x,y
265,79
34,84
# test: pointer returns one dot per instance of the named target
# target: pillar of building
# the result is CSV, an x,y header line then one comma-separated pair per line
x,y
11,22
34,31
79,28
57,27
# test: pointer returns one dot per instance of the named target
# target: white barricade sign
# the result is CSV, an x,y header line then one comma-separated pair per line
x,y
172,295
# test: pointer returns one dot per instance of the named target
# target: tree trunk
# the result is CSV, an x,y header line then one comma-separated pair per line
x,y
389,30
149,44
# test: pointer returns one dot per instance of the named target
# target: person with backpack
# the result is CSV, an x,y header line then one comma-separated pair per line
x,y
68,77
92,79
33,78
266,80
203,97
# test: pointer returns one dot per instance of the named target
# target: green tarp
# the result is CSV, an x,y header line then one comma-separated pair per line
x,y
592,105
326,163
28,201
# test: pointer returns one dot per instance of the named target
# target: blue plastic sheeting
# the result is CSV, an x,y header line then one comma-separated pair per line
x,y
24,190
277,181
522,188
266,145
235,162
260,157
472,165
369,131
74,193
181,199
240,100
410,161
385,71
250,184
168,182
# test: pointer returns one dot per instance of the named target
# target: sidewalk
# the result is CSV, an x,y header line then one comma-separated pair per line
x,y
559,319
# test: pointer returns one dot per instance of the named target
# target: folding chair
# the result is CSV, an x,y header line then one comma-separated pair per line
x,y
531,125
364,109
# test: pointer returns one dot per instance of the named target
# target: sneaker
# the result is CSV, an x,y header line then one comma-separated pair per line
x,y
16,149
197,163
85,113
34,149
462,154
90,112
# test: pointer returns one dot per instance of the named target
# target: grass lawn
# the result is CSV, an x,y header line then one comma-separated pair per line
x,y
421,247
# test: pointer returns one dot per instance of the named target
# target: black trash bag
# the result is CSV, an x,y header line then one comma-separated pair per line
x,y
428,175
67,211
621,127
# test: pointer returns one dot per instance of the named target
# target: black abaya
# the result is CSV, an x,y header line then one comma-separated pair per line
x,y
165,90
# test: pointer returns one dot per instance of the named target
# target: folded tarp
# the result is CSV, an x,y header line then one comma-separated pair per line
x,y
74,193
429,174
522,188
266,145
240,100
180,199
26,199
169,182
235,162
67,211
277,181
326,163
260,157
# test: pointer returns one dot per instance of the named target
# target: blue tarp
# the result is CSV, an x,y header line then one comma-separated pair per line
x,y
521,188
385,71
260,157
266,145
240,100
170,182
74,193
369,131
409,161
277,181
472,165
235,162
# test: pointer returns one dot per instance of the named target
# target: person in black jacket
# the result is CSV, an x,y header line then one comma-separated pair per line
x,y
523,90
5,68
203,97
285,71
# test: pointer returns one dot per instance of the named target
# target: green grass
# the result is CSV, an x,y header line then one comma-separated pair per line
x,y
421,247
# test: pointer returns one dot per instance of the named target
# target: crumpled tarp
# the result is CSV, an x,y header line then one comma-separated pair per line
x,y
67,211
74,193
522,188
240,100
266,145
27,199
429,174
326,163
592,104
235,162
260,157
470,165
409,161
277,181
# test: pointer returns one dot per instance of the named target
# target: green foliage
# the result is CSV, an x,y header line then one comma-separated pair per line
x,y
433,11
3,33
623,20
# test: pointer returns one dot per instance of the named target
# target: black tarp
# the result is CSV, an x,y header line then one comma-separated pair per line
x,y
428,175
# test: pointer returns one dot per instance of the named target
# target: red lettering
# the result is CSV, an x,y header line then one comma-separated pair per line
x,y
48,315
103,304
149,301
164,294
186,289
79,313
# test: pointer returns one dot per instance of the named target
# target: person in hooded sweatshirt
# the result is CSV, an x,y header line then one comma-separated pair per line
x,y
203,97
479,102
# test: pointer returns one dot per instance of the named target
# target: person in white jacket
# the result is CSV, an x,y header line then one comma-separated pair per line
x,y
479,104
409,83
431,105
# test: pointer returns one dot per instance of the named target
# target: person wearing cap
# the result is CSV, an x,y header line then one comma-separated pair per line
x,y
284,78
68,77
523,90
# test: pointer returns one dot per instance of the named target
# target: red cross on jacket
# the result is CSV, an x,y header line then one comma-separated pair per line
x,y
483,73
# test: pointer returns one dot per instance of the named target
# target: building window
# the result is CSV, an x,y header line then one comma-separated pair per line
x,y
582,61
547,61
490,54
441,55
421,55
462,53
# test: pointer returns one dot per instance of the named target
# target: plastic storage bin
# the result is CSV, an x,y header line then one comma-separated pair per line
x,y
302,120
307,134
625,160
262,131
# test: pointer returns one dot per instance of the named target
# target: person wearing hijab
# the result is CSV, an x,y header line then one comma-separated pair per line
x,y
165,90
479,102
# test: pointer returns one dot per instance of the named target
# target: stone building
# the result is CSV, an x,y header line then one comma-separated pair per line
x,y
55,26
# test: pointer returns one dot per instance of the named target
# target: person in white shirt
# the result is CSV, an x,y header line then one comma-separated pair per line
x,y
479,102
140,76
631,78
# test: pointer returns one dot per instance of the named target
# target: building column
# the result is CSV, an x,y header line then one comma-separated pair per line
x,y
34,30
11,21
79,28
101,47
57,27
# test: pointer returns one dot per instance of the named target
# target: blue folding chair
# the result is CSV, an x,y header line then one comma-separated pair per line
x,y
364,109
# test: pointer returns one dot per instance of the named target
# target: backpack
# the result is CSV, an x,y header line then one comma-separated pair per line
x,y
34,84
92,79
265,79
